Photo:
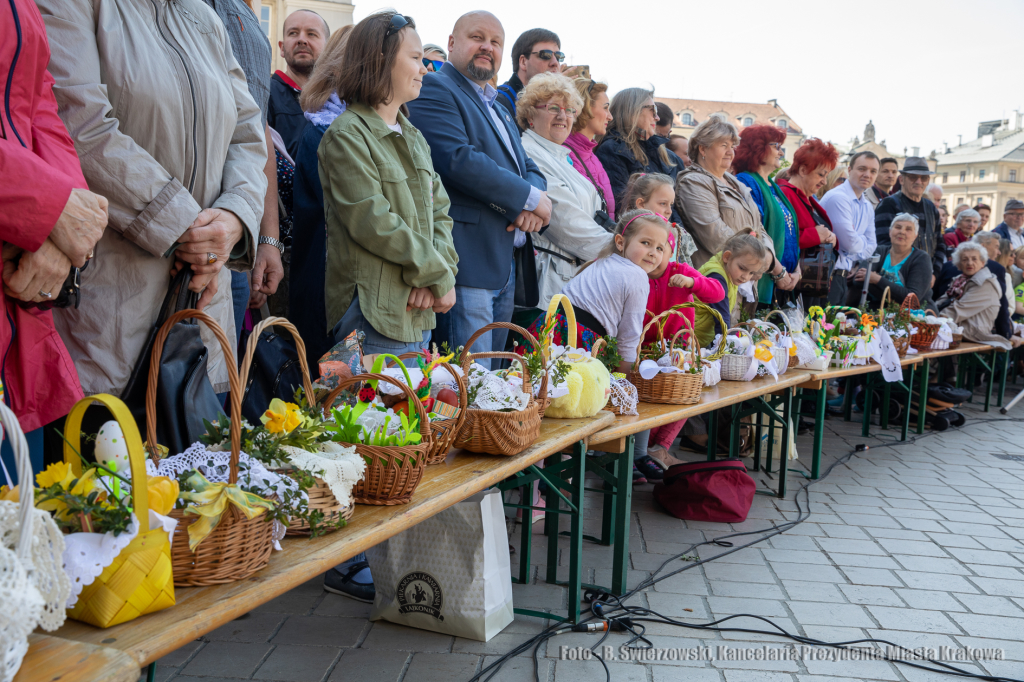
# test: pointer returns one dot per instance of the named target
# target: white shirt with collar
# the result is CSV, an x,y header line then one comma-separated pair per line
x,y
853,221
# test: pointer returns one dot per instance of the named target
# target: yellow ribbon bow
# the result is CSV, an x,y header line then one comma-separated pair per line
x,y
211,501
762,351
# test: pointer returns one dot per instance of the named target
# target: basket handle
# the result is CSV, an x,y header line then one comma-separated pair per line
x,y
300,347
765,323
360,378
886,295
530,338
910,302
467,356
132,439
542,396
660,327
234,385
570,317
687,328
782,316
741,330
26,487
458,377
699,306
596,348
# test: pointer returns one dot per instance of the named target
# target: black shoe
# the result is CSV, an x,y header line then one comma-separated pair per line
x,y
342,583
638,478
650,469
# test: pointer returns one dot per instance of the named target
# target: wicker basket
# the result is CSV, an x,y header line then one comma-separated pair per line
x,y
673,388
924,336
320,495
392,472
735,367
501,433
542,395
237,547
614,409
957,340
902,343
773,334
794,359
444,431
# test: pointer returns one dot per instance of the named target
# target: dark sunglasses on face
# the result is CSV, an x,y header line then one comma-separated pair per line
x,y
398,22
432,64
546,55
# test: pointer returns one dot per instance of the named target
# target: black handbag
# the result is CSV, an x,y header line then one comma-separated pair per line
x,y
275,371
527,293
184,394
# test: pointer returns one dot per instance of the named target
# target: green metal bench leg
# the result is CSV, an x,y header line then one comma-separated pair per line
x,y
909,383
609,505
526,535
886,395
578,470
1005,357
713,435
151,672
734,434
551,522
922,396
868,392
620,527
819,429
758,434
991,378
848,400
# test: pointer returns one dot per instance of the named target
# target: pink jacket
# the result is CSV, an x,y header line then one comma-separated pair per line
x,y
581,151
39,168
663,297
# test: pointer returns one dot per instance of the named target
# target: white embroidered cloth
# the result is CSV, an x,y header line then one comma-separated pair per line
x,y
339,467
494,392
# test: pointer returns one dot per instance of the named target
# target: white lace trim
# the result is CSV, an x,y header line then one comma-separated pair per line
x,y
44,566
23,607
339,467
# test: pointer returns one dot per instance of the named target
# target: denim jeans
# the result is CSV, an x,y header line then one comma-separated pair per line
x,y
240,301
375,342
474,309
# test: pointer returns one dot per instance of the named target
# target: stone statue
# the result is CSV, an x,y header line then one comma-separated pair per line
x,y
869,132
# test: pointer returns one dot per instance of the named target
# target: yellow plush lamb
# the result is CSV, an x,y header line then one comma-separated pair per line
x,y
589,382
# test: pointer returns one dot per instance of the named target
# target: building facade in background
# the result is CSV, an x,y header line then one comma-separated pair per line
x,y
689,113
337,13
988,170
869,144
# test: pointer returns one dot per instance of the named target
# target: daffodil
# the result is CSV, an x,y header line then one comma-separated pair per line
x,y
83,487
55,473
281,416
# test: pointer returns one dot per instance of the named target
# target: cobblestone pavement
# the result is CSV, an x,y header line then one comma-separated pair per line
x,y
921,544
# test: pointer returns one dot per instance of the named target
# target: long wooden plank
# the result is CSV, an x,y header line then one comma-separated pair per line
x,y
817,376
203,609
52,658
723,394
964,348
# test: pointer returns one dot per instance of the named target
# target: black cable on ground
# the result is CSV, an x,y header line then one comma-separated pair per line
x,y
612,614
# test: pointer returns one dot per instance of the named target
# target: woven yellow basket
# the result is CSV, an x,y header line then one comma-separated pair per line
x,y
139,581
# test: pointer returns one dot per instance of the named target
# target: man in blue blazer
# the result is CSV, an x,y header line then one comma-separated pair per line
x,y
497,193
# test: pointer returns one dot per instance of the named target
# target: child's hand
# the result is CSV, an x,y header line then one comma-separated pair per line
x,y
681,281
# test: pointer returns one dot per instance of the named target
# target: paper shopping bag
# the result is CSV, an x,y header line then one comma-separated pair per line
x,y
448,574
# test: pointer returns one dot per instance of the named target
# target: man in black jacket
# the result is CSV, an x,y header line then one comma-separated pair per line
x,y
913,199
305,34
535,51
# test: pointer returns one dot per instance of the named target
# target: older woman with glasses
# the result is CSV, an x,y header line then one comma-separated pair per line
x,y
973,303
628,147
758,155
967,223
591,123
547,108
714,204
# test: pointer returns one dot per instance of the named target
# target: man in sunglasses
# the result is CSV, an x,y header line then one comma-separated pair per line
x,y
535,51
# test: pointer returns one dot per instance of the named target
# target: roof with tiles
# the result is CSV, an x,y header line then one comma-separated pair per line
x,y
735,112
1004,145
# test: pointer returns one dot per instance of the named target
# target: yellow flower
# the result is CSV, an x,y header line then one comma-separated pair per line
x,y
281,416
163,493
55,473
8,494
85,485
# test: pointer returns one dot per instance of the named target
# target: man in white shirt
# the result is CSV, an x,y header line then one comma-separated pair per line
x,y
853,221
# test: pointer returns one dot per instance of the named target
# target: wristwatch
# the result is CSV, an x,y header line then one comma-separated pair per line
x,y
273,242
778,277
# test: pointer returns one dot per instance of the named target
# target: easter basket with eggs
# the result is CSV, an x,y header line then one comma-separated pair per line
x,y
33,585
664,372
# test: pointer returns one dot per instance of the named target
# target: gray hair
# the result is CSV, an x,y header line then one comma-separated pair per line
x,y
985,238
709,132
970,246
967,213
906,218
431,47
931,186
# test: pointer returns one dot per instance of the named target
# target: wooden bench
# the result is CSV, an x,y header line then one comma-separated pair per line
x,y
52,658
966,349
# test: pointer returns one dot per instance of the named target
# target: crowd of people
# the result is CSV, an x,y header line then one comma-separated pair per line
x,y
392,187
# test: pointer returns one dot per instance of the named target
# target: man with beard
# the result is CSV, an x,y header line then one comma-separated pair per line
x,y
305,34
497,192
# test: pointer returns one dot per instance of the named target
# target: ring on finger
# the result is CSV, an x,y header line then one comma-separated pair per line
x,y
46,294
211,258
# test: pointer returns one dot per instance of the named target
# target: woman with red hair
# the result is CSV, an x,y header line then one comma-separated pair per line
x,y
758,155
812,163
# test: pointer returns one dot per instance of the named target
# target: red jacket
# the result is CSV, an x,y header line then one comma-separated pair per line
x,y
663,297
955,238
39,168
803,204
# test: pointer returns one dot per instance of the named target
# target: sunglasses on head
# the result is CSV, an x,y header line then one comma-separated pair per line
x,y
398,22
435,63
546,55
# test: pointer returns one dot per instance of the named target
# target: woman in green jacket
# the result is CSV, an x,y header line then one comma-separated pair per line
x,y
391,263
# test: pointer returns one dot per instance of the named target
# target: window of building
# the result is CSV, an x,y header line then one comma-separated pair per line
x,y
1013,176
945,178
748,122
265,15
687,119
981,174
963,176
781,123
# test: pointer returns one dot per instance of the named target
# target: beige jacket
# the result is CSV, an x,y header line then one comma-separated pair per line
x,y
164,125
976,310
714,210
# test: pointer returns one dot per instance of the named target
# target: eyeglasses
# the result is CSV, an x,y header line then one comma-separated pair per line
x,y
433,64
546,55
554,109
775,145
398,22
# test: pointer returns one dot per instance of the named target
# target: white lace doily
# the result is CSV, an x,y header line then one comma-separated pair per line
x,y
495,393
712,372
44,565
439,378
23,607
623,396
339,467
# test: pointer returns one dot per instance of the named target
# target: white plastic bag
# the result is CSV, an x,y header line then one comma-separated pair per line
x,y
449,573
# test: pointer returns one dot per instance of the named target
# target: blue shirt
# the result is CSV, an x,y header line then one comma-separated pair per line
x,y
853,221
892,271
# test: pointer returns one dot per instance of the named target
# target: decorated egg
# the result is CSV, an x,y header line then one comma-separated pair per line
x,y
111,447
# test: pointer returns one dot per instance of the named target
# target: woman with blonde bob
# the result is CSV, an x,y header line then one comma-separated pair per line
x,y
546,109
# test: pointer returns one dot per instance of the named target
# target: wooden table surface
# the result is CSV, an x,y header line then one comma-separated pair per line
x,y
202,609
53,658
723,394
963,348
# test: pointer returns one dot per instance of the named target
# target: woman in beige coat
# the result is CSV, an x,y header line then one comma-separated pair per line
x,y
974,306
715,205
166,130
